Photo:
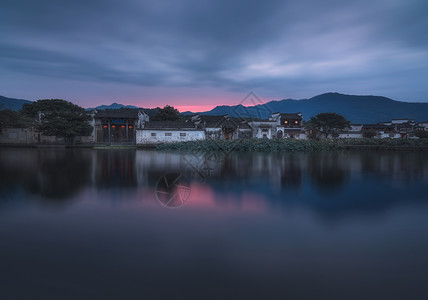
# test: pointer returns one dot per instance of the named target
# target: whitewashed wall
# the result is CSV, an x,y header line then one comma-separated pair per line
x,y
257,129
350,135
144,136
213,133
391,136
259,133
298,136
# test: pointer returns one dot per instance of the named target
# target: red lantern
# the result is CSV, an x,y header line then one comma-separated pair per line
x,y
105,126
123,126
113,126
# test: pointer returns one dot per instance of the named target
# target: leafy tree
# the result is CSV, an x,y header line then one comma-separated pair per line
x,y
168,113
422,134
13,119
57,117
328,123
370,133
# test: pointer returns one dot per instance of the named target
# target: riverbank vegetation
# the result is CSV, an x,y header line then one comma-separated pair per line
x,y
292,145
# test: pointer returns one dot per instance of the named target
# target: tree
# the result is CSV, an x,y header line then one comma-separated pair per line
x,y
13,119
422,134
57,117
370,133
328,123
168,113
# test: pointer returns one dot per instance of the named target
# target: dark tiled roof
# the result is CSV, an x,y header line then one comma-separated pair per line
x,y
291,116
244,125
266,125
117,113
212,121
377,126
208,121
173,125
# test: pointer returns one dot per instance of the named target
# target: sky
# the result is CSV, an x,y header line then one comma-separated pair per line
x,y
196,54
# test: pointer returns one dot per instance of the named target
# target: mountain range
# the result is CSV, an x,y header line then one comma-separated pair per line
x,y
114,105
357,109
12,103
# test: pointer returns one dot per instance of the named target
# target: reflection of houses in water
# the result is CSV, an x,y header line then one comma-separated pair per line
x,y
279,178
150,165
281,171
115,168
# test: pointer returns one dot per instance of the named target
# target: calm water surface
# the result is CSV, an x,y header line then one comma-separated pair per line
x,y
109,224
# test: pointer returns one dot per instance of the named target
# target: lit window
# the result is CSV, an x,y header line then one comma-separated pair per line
x,y
113,126
168,134
296,122
286,122
123,126
153,133
130,126
105,126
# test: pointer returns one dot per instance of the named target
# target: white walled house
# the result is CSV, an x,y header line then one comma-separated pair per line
x,y
263,129
289,125
222,127
278,126
156,132
402,121
354,132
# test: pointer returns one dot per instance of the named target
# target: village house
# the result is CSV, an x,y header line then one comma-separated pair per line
x,y
154,132
222,127
118,126
263,129
423,126
289,125
382,130
279,125
354,132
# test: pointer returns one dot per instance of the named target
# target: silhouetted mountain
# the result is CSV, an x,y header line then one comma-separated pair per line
x,y
357,109
113,106
12,103
187,113
149,111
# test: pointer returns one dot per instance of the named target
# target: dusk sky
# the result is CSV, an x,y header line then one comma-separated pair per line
x,y
195,55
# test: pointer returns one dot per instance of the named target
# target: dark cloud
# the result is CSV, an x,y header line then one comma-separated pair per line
x,y
271,46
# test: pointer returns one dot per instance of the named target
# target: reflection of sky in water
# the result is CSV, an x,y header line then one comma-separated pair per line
x,y
86,223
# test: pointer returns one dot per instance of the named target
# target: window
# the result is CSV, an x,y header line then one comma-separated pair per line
x,y
285,122
296,122
182,134
153,133
168,134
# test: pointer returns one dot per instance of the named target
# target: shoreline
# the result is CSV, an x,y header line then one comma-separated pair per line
x,y
254,145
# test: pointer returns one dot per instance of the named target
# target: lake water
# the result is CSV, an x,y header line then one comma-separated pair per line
x,y
133,224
